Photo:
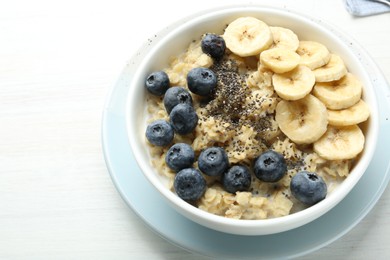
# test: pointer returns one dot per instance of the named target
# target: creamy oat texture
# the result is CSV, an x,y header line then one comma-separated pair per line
x,y
241,118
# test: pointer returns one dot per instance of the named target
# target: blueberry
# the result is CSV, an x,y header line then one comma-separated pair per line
x,y
159,133
174,96
270,166
189,184
180,156
213,161
213,45
237,178
201,81
157,83
308,187
183,119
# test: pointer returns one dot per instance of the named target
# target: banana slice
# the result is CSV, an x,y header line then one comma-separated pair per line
x,y
340,143
313,54
304,121
279,60
339,94
295,84
333,70
284,38
247,36
351,116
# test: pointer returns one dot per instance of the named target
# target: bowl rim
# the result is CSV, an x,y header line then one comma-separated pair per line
x,y
263,226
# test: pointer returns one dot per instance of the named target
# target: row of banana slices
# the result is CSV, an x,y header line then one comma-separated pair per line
x,y
321,101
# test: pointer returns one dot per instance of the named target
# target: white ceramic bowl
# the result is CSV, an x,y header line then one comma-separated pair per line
x,y
174,43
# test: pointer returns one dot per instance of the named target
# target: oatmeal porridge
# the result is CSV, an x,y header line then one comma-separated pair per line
x,y
274,93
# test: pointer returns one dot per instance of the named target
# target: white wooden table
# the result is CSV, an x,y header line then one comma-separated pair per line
x,y
57,64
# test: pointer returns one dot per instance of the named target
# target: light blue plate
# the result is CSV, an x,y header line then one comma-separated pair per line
x,y
151,207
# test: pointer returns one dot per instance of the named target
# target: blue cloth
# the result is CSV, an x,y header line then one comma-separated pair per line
x,y
365,7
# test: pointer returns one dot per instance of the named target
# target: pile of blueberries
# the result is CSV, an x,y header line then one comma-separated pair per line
x,y
189,182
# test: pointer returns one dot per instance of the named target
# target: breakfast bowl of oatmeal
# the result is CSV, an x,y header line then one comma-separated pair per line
x,y
252,120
